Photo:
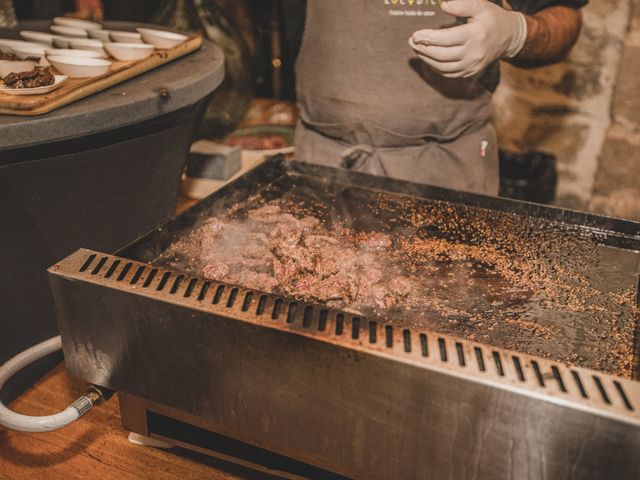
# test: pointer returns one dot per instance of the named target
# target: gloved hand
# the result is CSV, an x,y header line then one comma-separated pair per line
x,y
490,33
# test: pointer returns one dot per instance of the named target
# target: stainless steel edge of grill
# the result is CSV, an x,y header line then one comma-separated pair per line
x,y
572,387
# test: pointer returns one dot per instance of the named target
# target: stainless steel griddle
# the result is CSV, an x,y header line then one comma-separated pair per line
x,y
306,391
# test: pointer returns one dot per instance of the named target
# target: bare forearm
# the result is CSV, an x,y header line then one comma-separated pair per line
x,y
551,34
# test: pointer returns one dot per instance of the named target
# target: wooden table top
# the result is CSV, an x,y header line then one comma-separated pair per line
x,y
95,446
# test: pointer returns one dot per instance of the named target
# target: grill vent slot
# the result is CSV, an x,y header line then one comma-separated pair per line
x,y
322,323
424,345
339,323
262,304
150,277
388,331
623,396
277,306
190,287
461,360
232,298
558,377
291,314
443,349
218,295
99,266
373,332
578,381
87,263
112,269
480,359
203,291
163,281
176,284
124,271
518,366
247,301
355,327
307,318
602,390
536,370
137,275
498,361
406,339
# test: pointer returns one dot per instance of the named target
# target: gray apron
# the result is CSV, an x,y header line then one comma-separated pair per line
x,y
368,104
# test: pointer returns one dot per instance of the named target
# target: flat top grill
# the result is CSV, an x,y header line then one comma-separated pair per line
x,y
533,279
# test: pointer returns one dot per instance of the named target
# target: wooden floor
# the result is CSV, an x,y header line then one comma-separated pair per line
x,y
94,447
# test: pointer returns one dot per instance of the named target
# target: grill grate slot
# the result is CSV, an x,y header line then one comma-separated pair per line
x,y
623,396
99,266
498,361
601,389
291,313
518,366
578,381
536,370
176,284
150,277
247,301
232,298
137,275
480,359
424,345
163,281
191,286
558,376
322,323
218,295
373,332
443,349
203,291
87,263
262,304
307,317
112,269
339,323
355,328
277,306
388,333
124,272
461,360
406,339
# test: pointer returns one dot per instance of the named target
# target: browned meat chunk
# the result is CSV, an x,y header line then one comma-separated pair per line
x,y
38,77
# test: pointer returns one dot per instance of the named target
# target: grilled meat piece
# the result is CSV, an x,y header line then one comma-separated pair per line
x,y
38,77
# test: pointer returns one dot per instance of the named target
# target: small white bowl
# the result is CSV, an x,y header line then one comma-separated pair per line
x,y
75,23
67,52
129,51
58,81
125,37
60,41
38,37
88,44
38,51
15,66
78,67
160,38
69,31
99,34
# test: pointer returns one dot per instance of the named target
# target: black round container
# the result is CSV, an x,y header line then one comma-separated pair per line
x,y
97,173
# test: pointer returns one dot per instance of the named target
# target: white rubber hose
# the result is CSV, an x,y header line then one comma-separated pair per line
x,y
26,423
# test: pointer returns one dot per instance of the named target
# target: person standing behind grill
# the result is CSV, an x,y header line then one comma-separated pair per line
x,y
370,103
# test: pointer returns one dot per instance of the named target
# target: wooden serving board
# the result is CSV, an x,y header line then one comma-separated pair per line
x,y
77,88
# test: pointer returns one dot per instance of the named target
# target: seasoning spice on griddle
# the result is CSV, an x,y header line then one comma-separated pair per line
x,y
38,77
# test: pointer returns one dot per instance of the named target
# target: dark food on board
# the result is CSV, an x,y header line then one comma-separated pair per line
x,y
38,77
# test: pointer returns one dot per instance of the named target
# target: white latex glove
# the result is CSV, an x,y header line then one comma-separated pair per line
x,y
491,32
